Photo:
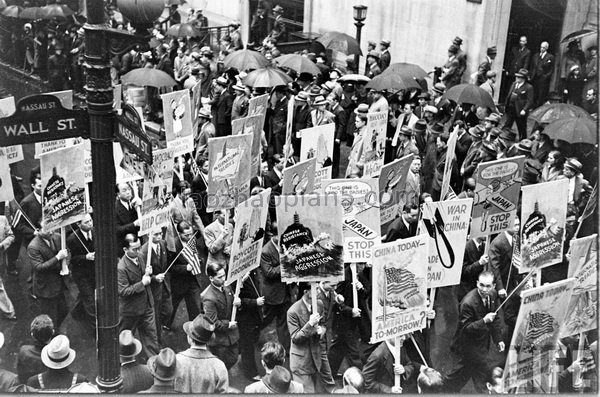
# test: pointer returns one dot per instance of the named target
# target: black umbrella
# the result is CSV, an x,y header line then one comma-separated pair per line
x,y
578,34
340,42
470,93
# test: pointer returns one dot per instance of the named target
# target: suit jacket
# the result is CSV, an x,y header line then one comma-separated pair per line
x,y
341,121
134,297
159,265
216,244
199,371
473,335
274,290
33,209
278,117
398,230
408,148
488,87
542,68
79,247
306,353
47,281
8,380
385,60
520,59
302,117
500,253
521,99
471,160
179,276
249,313
124,221
413,187
471,268
221,111
217,307
136,377
29,362
164,64
463,143
378,371
321,118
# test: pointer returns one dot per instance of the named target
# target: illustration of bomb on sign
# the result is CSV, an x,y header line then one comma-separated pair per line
x,y
310,238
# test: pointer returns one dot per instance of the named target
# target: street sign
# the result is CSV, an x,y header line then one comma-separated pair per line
x,y
40,118
131,134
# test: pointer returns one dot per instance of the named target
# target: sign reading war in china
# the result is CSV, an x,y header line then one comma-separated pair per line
x,y
248,235
399,288
498,184
536,334
131,133
359,199
311,242
41,118
543,220
63,184
447,224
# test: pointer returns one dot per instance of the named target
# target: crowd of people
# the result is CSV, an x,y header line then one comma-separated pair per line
x,y
309,350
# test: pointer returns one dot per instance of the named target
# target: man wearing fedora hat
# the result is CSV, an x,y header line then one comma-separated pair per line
x,y
277,381
221,107
442,104
278,119
57,356
403,143
190,81
8,379
240,102
430,156
198,370
463,142
423,99
489,85
386,57
205,132
579,188
373,68
356,159
136,377
319,115
379,104
163,368
278,30
485,66
451,71
472,157
532,169
301,120
519,102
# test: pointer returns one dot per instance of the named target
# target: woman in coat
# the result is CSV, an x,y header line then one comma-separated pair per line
x,y
553,167
356,160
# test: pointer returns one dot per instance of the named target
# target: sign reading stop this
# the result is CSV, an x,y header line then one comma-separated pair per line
x,y
40,118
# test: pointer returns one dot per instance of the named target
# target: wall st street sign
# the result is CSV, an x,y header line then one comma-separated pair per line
x,y
40,118
131,134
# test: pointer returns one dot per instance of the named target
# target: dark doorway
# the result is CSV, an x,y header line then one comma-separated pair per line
x,y
539,20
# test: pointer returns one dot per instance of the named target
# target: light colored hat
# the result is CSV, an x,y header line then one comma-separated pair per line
x,y
430,109
58,353
239,87
1,340
320,100
439,88
129,346
385,43
222,81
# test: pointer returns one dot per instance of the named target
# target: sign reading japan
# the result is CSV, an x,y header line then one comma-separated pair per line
x,y
131,133
40,118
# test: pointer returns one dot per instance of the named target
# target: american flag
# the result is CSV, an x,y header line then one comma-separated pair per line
x,y
450,195
194,168
540,324
16,218
190,253
398,280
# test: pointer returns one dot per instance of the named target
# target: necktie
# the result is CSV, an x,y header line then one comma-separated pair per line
x,y
157,250
487,302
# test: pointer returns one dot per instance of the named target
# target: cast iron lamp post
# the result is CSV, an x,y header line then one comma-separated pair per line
x,y
359,14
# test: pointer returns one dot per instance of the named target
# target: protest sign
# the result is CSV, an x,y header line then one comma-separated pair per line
x,y
317,142
65,97
289,126
534,340
446,223
42,148
122,174
7,106
582,314
374,143
449,163
543,220
248,235
257,106
63,187
393,191
497,188
399,288
177,110
12,154
6,187
196,103
250,125
360,201
310,238
228,171
299,178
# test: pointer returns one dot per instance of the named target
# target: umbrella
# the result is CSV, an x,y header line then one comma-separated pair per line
x,y
148,77
392,82
470,93
31,13
2,3
573,130
340,42
557,111
299,63
354,78
183,30
59,11
266,78
406,69
12,11
578,34
245,59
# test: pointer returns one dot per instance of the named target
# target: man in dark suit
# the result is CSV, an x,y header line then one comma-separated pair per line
x,y
160,285
380,370
405,225
341,121
301,120
277,293
442,104
164,62
471,160
386,57
126,216
500,252
463,143
521,57
278,120
477,323
49,287
250,318
136,303
519,102
308,357
218,302
542,67
474,262
29,360
31,206
81,245
274,180
222,106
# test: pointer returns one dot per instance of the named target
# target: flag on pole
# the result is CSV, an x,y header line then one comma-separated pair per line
x,y
190,253
16,219
590,207
450,194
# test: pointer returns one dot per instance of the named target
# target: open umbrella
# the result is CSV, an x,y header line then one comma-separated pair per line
x,y
32,13
245,59
354,78
392,82
340,42
470,93
12,11
557,111
58,11
182,30
578,34
266,78
406,69
573,130
299,63
148,77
